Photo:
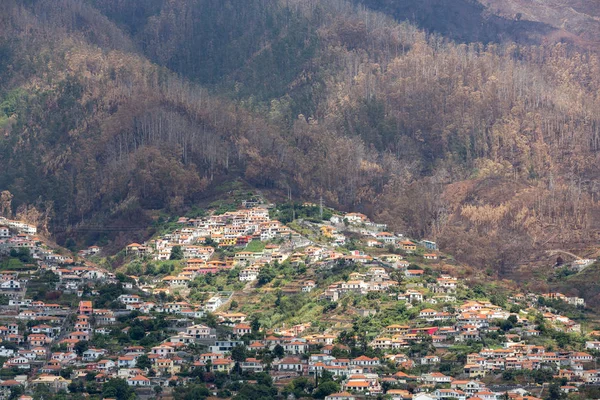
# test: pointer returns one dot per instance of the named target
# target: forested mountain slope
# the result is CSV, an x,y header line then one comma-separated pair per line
x,y
496,21
573,20
463,20
108,110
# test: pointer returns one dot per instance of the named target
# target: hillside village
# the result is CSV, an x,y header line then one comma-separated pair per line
x,y
240,304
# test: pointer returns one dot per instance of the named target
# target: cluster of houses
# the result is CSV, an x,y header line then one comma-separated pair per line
x,y
15,235
47,336
231,230
373,234
178,308
376,279
7,224
573,300
234,229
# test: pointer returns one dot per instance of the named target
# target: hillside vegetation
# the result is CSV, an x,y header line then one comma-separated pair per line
x,y
108,111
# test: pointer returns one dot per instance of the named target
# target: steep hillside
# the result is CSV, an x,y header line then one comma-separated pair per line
x,y
497,21
111,113
463,20
575,21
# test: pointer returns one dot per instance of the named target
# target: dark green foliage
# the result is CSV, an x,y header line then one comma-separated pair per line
x,y
325,389
238,353
108,294
278,351
23,254
191,392
81,346
117,388
176,253
136,333
266,275
16,392
143,362
326,385
263,389
255,324
555,392
299,387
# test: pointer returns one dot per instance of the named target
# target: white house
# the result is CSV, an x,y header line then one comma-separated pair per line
x,y
295,347
129,299
453,394
423,396
249,274
92,354
162,350
105,365
138,380
308,286
10,285
198,331
289,364
20,302
592,345
4,352
127,361
18,362
213,303
436,377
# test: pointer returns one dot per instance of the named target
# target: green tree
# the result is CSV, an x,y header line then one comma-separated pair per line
x,y
143,362
134,269
278,351
300,387
266,275
165,269
118,388
515,309
137,333
325,389
255,324
16,392
555,393
506,325
176,253
150,269
81,346
238,353
191,392
71,244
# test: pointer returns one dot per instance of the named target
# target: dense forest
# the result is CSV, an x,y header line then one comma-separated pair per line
x,y
109,110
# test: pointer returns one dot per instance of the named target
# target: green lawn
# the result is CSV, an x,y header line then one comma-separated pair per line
x,y
255,246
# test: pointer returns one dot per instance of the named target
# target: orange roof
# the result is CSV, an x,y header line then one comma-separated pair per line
x,y
222,361
139,378
357,384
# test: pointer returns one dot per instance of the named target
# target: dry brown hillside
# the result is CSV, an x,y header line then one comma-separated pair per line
x,y
575,20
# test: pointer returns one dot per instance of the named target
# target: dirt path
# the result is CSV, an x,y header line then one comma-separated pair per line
x,y
554,252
